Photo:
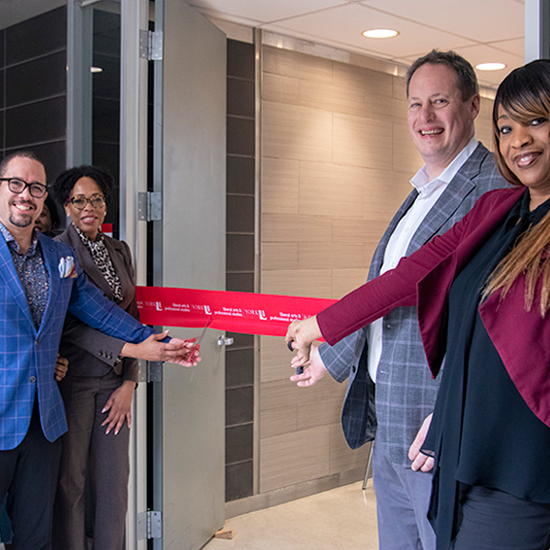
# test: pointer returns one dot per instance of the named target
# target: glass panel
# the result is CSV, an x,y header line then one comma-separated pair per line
x,y
106,101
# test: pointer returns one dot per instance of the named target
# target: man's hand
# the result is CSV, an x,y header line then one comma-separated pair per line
x,y
61,368
119,406
313,373
421,461
152,349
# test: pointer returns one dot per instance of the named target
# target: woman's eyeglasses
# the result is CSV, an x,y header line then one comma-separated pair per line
x,y
95,201
17,186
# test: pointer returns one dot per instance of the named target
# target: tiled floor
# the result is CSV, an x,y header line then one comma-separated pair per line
x,y
340,519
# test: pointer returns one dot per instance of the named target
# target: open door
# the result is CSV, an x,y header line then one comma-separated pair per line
x,y
188,405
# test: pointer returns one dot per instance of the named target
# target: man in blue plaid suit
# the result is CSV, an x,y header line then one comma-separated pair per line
x,y
39,282
443,98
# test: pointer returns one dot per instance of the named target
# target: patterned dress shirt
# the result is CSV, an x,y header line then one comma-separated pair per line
x,y
32,273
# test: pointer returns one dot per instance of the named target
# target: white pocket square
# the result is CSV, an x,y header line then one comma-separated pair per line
x,y
67,268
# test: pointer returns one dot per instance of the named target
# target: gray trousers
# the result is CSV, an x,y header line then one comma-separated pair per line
x,y
402,499
91,457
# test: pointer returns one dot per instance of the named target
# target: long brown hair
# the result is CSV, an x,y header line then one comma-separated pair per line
x,y
525,95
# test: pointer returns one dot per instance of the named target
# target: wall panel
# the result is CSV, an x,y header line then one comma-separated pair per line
x,y
240,258
33,88
336,164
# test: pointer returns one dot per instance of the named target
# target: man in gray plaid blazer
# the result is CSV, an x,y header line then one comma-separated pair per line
x,y
442,91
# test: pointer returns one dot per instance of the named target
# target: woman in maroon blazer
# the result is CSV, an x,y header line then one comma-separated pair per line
x,y
483,296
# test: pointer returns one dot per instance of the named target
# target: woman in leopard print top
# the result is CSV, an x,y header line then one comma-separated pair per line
x,y
99,386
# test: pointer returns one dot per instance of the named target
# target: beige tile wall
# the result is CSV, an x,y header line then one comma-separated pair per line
x,y
336,165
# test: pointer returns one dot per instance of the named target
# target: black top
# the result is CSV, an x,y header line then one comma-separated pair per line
x,y
483,433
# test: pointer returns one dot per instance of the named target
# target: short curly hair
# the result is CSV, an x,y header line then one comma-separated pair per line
x,y
63,185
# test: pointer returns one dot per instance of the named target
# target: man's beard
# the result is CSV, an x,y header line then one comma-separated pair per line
x,y
20,220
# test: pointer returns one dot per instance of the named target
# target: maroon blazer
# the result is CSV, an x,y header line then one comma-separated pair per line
x,y
521,338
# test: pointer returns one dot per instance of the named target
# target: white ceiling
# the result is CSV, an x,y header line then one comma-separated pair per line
x,y
480,30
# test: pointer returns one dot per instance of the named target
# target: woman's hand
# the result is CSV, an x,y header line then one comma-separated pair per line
x,y
180,352
301,334
61,368
189,356
119,406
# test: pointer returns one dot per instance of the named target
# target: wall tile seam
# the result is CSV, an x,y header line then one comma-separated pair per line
x,y
368,97
62,139
240,386
105,98
239,156
241,78
235,194
308,77
239,462
34,102
314,427
31,59
239,424
249,423
241,117
335,112
108,55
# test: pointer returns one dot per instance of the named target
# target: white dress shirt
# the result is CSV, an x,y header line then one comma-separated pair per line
x,y
428,194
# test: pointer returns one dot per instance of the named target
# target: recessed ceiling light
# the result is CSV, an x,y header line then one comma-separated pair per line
x,y
96,70
380,33
490,66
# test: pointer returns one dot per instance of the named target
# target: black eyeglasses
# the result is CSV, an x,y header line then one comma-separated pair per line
x,y
80,202
17,186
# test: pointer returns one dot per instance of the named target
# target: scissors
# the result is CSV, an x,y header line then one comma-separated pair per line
x,y
300,369
200,338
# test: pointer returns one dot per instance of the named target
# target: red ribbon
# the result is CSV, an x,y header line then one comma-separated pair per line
x,y
244,312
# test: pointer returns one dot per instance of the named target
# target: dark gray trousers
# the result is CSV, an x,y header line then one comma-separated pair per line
x,y
29,472
91,457
493,520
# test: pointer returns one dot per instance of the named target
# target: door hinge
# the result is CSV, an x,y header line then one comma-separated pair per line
x,y
149,206
149,525
153,372
151,45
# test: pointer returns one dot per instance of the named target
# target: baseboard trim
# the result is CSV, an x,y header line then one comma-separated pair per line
x,y
292,492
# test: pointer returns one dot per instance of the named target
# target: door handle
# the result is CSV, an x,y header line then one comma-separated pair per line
x,y
224,341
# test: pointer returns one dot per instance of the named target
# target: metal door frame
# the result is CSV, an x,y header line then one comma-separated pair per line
x,y
175,56
133,179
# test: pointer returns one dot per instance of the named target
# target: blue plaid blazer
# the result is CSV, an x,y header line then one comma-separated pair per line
x,y
28,356
405,393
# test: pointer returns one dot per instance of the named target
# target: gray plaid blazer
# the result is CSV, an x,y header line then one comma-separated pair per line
x,y
405,391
